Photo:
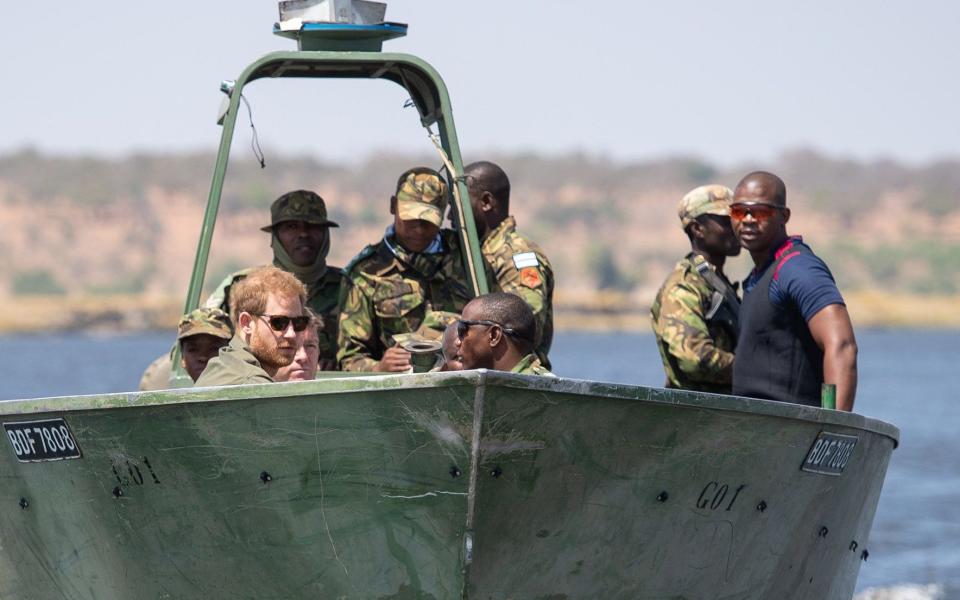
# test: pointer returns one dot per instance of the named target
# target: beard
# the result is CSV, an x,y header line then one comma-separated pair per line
x,y
272,352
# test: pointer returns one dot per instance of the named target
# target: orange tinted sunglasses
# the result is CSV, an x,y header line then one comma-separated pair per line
x,y
760,212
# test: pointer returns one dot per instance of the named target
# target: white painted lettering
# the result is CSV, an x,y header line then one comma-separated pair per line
x,y
16,443
27,442
43,442
58,439
68,439
45,434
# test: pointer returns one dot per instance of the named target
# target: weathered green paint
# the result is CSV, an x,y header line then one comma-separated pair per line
x,y
558,492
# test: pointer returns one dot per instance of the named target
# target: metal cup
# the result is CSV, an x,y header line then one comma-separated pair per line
x,y
424,354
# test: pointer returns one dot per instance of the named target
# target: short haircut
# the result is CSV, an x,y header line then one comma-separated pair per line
x,y
485,176
315,322
768,180
513,313
416,171
250,293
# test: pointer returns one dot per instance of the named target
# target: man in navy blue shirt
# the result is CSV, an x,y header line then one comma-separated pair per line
x,y
795,332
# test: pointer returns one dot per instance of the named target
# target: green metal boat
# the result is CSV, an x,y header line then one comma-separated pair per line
x,y
436,485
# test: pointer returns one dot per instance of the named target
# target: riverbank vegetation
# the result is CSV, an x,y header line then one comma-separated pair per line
x,y
91,242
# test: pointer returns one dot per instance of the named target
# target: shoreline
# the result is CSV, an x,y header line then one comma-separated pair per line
x,y
592,312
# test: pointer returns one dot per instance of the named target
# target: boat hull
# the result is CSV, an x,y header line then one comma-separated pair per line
x,y
477,484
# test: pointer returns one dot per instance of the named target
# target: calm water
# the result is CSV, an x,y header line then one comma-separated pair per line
x,y
904,379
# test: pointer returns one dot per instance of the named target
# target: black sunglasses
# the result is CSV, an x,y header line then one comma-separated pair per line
x,y
464,325
281,322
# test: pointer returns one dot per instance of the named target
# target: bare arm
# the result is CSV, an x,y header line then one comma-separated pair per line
x,y
833,332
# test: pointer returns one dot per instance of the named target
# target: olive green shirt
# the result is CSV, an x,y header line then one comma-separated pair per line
x,y
323,297
531,365
235,365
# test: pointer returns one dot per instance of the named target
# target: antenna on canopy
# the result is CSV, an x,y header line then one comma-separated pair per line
x,y
337,25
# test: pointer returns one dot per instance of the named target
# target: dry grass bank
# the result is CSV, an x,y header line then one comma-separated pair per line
x,y
600,311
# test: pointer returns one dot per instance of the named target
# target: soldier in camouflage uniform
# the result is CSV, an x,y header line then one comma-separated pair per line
x,y
498,332
201,334
695,316
300,239
515,263
411,281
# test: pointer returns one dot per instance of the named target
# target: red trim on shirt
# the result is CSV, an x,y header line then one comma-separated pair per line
x,y
776,274
786,246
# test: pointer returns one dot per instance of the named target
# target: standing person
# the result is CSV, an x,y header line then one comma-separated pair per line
x,y
795,332
411,280
300,239
498,332
695,314
267,308
306,360
517,264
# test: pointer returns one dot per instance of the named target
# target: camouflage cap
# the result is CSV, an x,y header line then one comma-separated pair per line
x,y
422,196
211,321
705,200
299,205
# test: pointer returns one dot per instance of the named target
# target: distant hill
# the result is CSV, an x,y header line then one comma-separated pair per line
x,y
92,226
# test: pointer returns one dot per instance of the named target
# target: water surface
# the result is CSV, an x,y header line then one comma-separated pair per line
x,y
904,379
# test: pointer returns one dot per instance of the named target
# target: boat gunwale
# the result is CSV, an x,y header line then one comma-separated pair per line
x,y
480,377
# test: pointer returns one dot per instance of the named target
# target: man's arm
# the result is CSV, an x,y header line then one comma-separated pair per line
x,y
832,330
683,328
807,282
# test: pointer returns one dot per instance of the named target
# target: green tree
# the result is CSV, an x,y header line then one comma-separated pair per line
x,y
36,283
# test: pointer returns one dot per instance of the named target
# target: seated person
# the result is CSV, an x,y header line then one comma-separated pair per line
x,y
411,281
305,362
267,308
201,334
498,331
449,350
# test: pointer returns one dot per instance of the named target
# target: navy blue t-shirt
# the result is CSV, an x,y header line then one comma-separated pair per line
x,y
803,280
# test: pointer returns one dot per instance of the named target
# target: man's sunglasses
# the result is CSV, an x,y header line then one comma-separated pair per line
x,y
760,212
464,325
281,322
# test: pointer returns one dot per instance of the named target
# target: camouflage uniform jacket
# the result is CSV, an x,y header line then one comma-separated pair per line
x,y
518,266
383,296
235,365
530,365
696,332
322,296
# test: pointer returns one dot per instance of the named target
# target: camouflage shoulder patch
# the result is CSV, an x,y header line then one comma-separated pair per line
x,y
530,277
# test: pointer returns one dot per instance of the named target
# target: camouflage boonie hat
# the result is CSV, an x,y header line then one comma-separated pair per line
x,y
211,321
705,200
299,205
422,196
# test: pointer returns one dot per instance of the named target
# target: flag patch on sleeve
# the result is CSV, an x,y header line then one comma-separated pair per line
x,y
530,277
525,259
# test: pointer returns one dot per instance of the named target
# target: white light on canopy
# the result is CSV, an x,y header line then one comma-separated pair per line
x,y
294,13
